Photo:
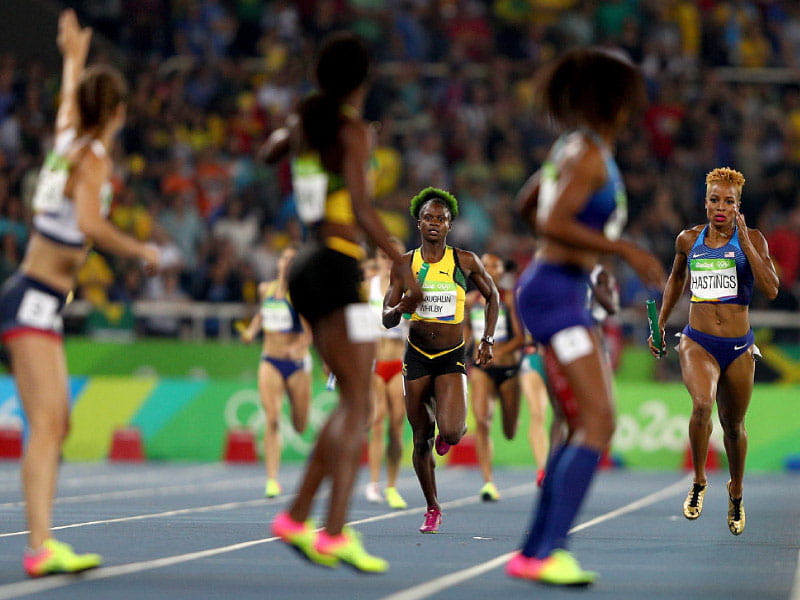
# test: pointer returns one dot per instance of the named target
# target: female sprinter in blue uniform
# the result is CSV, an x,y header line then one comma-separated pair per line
x,y
721,260
330,145
285,365
590,93
500,379
70,205
434,366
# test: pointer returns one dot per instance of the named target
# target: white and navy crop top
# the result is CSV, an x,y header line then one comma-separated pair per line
x,y
54,214
278,314
720,274
606,209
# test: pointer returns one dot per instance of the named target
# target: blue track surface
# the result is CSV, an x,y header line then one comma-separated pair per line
x,y
200,531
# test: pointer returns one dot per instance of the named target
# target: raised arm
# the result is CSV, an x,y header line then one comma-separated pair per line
x,y
483,281
73,42
676,284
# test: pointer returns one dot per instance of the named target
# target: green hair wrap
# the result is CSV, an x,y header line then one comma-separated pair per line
x,y
431,193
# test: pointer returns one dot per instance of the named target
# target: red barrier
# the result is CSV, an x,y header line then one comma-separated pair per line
x,y
11,443
240,446
126,445
463,454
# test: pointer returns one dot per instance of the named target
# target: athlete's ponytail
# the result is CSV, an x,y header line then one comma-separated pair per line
x,y
321,118
342,65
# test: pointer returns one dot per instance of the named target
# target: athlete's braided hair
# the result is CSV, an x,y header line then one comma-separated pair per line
x,y
436,195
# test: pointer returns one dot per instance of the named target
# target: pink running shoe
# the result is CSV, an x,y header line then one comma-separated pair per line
x,y
433,518
524,567
441,446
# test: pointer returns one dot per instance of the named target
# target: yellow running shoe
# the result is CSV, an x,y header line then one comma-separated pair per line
x,y
57,557
736,518
693,505
489,492
394,499
561,568
348,548
300,537
272,489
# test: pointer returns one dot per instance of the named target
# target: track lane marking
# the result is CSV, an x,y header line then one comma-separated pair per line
x,y
34,586
439,584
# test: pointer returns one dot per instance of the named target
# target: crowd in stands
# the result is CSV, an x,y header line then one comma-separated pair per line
x,y
453,94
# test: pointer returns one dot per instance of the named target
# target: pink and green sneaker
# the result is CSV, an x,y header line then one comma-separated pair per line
x,y
301,537
57,557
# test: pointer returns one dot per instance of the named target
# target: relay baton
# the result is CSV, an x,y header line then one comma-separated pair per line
x,y
655,330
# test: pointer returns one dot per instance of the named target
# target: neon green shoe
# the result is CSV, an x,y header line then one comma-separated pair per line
x,y
394,499
561,568
57,557
348,548
272,489
489,492
300,537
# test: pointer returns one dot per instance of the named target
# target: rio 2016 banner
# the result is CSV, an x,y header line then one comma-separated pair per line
x,y
184,400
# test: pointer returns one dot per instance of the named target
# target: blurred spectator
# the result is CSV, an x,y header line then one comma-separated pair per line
x,y
454,92
238,226
182,222
784,247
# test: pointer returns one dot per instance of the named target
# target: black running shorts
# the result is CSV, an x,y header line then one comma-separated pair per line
x,y
322,280
416,364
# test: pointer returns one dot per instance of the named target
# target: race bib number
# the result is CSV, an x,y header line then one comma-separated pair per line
x,y
714,279
49,194
39,310
310,185
276,316
438,301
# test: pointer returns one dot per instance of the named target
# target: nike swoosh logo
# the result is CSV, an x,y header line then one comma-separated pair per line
x,y
699,255
740,347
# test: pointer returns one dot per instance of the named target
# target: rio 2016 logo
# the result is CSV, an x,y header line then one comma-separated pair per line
x,y
653,428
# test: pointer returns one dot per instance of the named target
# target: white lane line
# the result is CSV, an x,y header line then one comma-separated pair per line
x,y
23,588
795,593
168,513
452,579
180,511
245,482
